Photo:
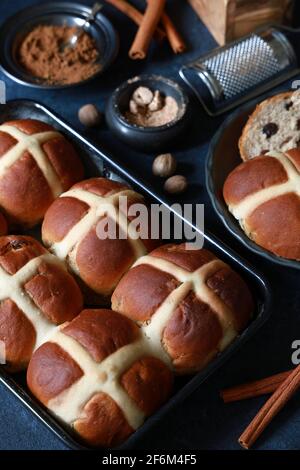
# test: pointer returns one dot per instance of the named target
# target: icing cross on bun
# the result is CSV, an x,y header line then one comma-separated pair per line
x,y
97,374
263,194
36,293
37,164
190,304
70,231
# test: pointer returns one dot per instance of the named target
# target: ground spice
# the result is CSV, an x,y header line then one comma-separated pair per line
x,y
151,109
42,55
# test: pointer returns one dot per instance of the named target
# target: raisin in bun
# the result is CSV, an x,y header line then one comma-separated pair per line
x,y
190,304
97,375
36,294
274,125
70,230
37,164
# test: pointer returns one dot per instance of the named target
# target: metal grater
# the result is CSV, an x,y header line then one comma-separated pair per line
x,y
233,74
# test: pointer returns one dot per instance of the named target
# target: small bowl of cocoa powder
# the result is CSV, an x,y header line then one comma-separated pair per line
x,y
148,112
33,48
43,56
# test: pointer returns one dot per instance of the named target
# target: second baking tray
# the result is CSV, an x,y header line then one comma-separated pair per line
x,y
97,163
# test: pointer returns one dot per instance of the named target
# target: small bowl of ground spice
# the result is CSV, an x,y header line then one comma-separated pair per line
x,y
34,47
42,54
148,112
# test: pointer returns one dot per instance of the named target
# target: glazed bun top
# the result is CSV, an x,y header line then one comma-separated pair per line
x,y
188,302
263,195
98,374
36,292
37,164
71,231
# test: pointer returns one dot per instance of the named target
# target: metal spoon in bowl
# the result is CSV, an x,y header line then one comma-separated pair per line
x,y
71,42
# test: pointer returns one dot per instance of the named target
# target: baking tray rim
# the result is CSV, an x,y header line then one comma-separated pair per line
x,y
264,307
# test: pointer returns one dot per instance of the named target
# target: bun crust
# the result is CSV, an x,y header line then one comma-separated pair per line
x,y
3,225
34,172
36,293
262,195
188,301
70,230
97,374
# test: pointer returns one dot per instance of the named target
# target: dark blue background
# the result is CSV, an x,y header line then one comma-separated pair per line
x,y
202,421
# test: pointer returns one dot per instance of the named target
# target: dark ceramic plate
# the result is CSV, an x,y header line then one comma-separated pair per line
x,y
17,26
223,156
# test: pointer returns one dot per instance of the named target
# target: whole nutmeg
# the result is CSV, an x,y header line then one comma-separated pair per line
x,y
89,115
133,107
142,96
157,102
164,165
176,184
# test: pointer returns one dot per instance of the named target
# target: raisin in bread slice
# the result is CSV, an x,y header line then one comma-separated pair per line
x,y
274,125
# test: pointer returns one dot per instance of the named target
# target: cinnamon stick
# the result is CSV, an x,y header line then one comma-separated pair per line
x,y
151,18
271,408
135,15
176,41
254,389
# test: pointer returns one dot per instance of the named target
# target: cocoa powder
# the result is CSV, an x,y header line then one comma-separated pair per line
x,y
41,54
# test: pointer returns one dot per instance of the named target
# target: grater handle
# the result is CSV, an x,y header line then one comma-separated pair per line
x,y
190,75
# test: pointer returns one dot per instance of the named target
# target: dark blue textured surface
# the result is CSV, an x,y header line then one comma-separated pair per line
x,y
201,422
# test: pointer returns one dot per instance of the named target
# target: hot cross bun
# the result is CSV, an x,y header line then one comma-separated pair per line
x,y
37,164
188,302
36,294
263,195
98,374
70,230
274,125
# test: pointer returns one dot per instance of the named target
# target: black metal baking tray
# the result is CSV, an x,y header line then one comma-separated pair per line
x,y
223,156
99,163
